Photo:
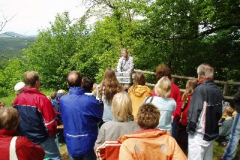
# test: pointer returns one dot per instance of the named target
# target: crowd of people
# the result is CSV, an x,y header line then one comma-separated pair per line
x,y
136,123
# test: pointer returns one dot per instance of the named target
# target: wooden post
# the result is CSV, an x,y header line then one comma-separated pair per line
x,y
225,89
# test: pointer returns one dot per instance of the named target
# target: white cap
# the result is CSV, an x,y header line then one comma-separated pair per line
x,y
18,87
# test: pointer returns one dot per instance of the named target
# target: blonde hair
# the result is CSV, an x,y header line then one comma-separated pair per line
x,y
9,118
229,110
163,87
122,107
148,116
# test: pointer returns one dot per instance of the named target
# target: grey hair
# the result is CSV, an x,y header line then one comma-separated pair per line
x,y
205,71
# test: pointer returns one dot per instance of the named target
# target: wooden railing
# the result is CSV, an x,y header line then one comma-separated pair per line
x,y
174,77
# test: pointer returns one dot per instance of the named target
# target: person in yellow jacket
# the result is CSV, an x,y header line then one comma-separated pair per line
x,y
138,92
149,143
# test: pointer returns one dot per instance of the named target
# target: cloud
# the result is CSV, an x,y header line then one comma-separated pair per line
x,y
31,15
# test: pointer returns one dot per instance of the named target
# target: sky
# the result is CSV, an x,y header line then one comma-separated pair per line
x,y
32,15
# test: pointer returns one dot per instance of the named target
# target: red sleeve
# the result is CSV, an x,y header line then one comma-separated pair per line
x,y
27,150
176,95
49,116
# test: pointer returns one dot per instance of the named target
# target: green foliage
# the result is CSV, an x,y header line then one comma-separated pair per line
x,y
180,34
12,74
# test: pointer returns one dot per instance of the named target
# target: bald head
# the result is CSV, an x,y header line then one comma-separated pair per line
x,y
74,79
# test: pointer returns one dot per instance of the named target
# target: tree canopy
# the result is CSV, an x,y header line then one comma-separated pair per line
x,y
180,34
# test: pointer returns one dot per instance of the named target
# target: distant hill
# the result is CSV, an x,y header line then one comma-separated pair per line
x,y
11,46
13,34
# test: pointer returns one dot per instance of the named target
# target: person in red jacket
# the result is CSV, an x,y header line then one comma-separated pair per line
x,y
16,147
186,99
163,70
38,117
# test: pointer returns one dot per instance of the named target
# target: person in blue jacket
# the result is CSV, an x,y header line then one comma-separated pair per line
x,y
80,114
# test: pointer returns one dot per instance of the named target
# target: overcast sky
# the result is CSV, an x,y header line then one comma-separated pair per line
x,y
31,15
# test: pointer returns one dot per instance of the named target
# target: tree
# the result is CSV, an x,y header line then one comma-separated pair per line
x,y
4,21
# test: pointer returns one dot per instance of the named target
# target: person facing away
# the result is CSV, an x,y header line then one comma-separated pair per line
x,y
122,122
163,70
13,146
203,115
87,85
226,126
80,114
125,63
149,143
2,104
231,149
138,92
38,118
106,90
19,87
182,138
166,105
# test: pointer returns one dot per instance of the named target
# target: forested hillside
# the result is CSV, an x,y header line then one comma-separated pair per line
x,y
10,48
181,34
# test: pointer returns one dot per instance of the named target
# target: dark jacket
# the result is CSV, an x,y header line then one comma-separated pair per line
x,y
237,101
80,114
209,93
38,117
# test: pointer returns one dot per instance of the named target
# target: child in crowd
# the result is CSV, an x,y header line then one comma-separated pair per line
x,y
87,85
138,92
52,98
122,120
226,126
186,99
166,105
2,104
19,87
149,143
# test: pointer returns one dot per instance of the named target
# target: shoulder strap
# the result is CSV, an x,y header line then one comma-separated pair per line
x,y
148,98
12,149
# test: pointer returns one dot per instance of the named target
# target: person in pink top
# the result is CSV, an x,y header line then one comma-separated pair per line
x,y
163,70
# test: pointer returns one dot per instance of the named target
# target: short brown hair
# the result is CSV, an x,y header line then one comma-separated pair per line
x,y
163,70
122,107
2,104
30,78
74,79
9,118
148,116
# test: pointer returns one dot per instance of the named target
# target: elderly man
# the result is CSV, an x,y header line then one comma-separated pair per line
x,y
12,146
203,115
80,114
38,118
125,63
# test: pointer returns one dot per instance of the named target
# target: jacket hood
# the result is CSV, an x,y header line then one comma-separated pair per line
x,y
139,90
148,133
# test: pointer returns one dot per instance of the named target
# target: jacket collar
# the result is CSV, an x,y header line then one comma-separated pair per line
x,y
28,90
5,132
76,90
